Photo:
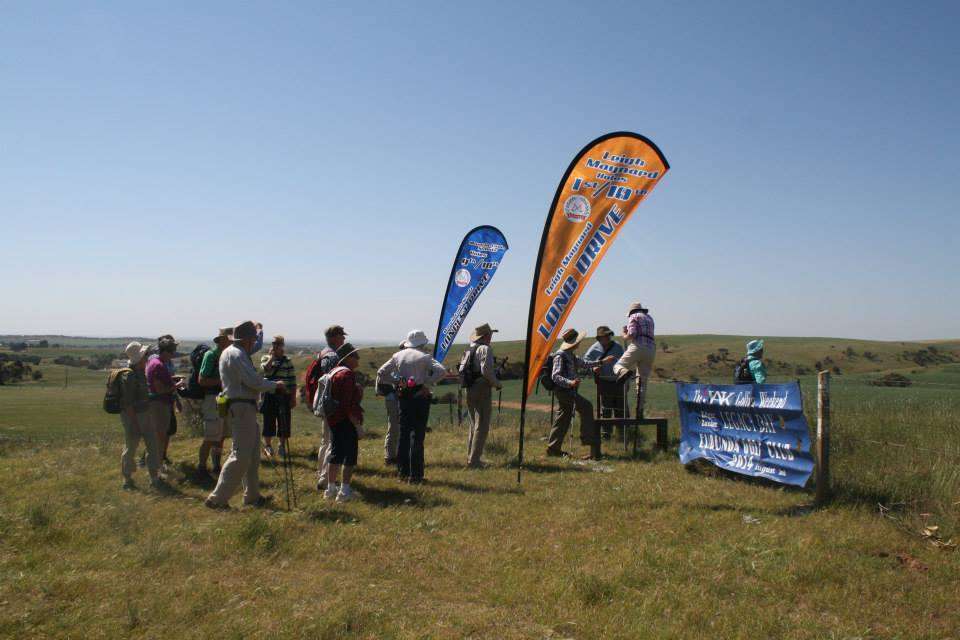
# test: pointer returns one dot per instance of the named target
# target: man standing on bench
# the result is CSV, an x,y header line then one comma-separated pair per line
x,y
641,350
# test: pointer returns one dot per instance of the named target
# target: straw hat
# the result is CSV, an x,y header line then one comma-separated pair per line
x,y
225,335
604,330
571,339
637,306
135,352
482,331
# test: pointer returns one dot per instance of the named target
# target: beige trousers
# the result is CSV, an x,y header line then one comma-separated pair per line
x,y
326,441
243,465
391,442
640,360
132,433
212,422
479,406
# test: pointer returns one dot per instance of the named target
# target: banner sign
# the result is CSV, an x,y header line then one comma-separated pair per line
x,y
599,192
476,261
753,429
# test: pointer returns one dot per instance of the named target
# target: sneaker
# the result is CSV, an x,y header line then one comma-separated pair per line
x,y
128,484
282,451
268,451
330,492
345,494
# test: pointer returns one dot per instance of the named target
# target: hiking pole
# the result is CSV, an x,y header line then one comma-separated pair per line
x,y
288,459
499,402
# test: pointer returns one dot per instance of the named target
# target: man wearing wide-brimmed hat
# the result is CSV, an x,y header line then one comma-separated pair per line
x,y
214,427
566,380
133,417
641,350
478,374
601,357
241,386
414,372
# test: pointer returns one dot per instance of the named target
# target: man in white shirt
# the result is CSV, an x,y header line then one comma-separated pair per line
x,y
414,373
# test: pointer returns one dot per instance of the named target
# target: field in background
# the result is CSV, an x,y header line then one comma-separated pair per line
x,y
625,548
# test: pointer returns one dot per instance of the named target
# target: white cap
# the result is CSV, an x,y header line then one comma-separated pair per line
x,y
415,339
135,351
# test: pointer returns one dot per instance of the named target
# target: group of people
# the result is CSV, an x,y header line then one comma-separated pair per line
x,y
234,391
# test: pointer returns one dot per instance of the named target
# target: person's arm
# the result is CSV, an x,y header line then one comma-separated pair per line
x,y
436,373
253,380
633,327
162,380
388,372
557,374
208,376
592,356
758,370
488,368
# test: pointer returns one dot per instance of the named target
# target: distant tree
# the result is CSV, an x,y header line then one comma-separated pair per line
x,y
18,346
43,344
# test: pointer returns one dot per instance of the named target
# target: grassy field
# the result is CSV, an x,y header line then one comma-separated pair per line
x,y
621,549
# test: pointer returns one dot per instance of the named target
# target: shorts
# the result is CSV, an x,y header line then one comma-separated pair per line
x,y
345,445
213,424
276,416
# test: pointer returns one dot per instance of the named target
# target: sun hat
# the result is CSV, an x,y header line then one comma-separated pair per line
x,y
278,340
571,339
637,306
245,331
482,331
225,334
415,339
334,330
167,343
754,346
345,351
604,330
135,352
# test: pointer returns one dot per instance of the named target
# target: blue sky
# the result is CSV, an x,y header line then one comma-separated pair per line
x,y
176,167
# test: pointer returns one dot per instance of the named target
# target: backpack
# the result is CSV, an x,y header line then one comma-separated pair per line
x,y
546,373
467,375
113,398
324,404
742,375
194,391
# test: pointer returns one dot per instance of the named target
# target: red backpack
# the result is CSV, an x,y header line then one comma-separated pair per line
x,y
310,380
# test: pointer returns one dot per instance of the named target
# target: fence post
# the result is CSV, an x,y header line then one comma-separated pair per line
x,y
823,437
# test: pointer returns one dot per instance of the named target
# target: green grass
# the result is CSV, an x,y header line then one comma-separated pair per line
x,y
623,549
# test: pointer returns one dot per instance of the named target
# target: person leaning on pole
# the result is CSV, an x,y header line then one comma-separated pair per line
x,y
640,353
414,373
565,378
214,426
600,357
391,440
241,387
326,360
277,407
162,392
346,423
133,417
478,374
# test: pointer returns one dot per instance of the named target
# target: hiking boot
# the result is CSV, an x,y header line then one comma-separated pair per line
x,y
128,484
260,502
202,474
389,462
330,492
282,451
216,506
345,494
268,452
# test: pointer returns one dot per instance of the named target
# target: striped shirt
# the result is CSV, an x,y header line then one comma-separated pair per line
x,y
564,372
640,330
279,370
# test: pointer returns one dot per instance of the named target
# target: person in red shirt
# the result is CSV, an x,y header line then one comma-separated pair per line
x,y
345,422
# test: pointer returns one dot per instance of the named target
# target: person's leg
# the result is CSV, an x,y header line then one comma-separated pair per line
x,y
251,479
171,431
323,453
406,433
154,421
269,422
234,469
565,403
333,474
347,474
284,419
348,449
417,437
627,361
392,438
474,414
484,403
644,366
212,430
131,438
588,429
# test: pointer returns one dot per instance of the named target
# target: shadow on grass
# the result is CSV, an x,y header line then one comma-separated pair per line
x,y
398,497
332,516
560,467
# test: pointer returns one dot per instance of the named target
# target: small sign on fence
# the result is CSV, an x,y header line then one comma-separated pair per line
x,y
753,429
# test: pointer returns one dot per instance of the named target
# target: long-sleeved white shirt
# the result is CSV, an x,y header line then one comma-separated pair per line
x,y
411,363
239,377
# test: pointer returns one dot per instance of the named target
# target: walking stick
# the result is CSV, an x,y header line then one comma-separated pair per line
x,y
459,406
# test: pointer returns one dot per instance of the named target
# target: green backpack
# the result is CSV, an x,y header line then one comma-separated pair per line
x,y
113,398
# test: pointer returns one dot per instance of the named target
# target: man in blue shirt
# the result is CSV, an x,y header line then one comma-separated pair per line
x,y
600,357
